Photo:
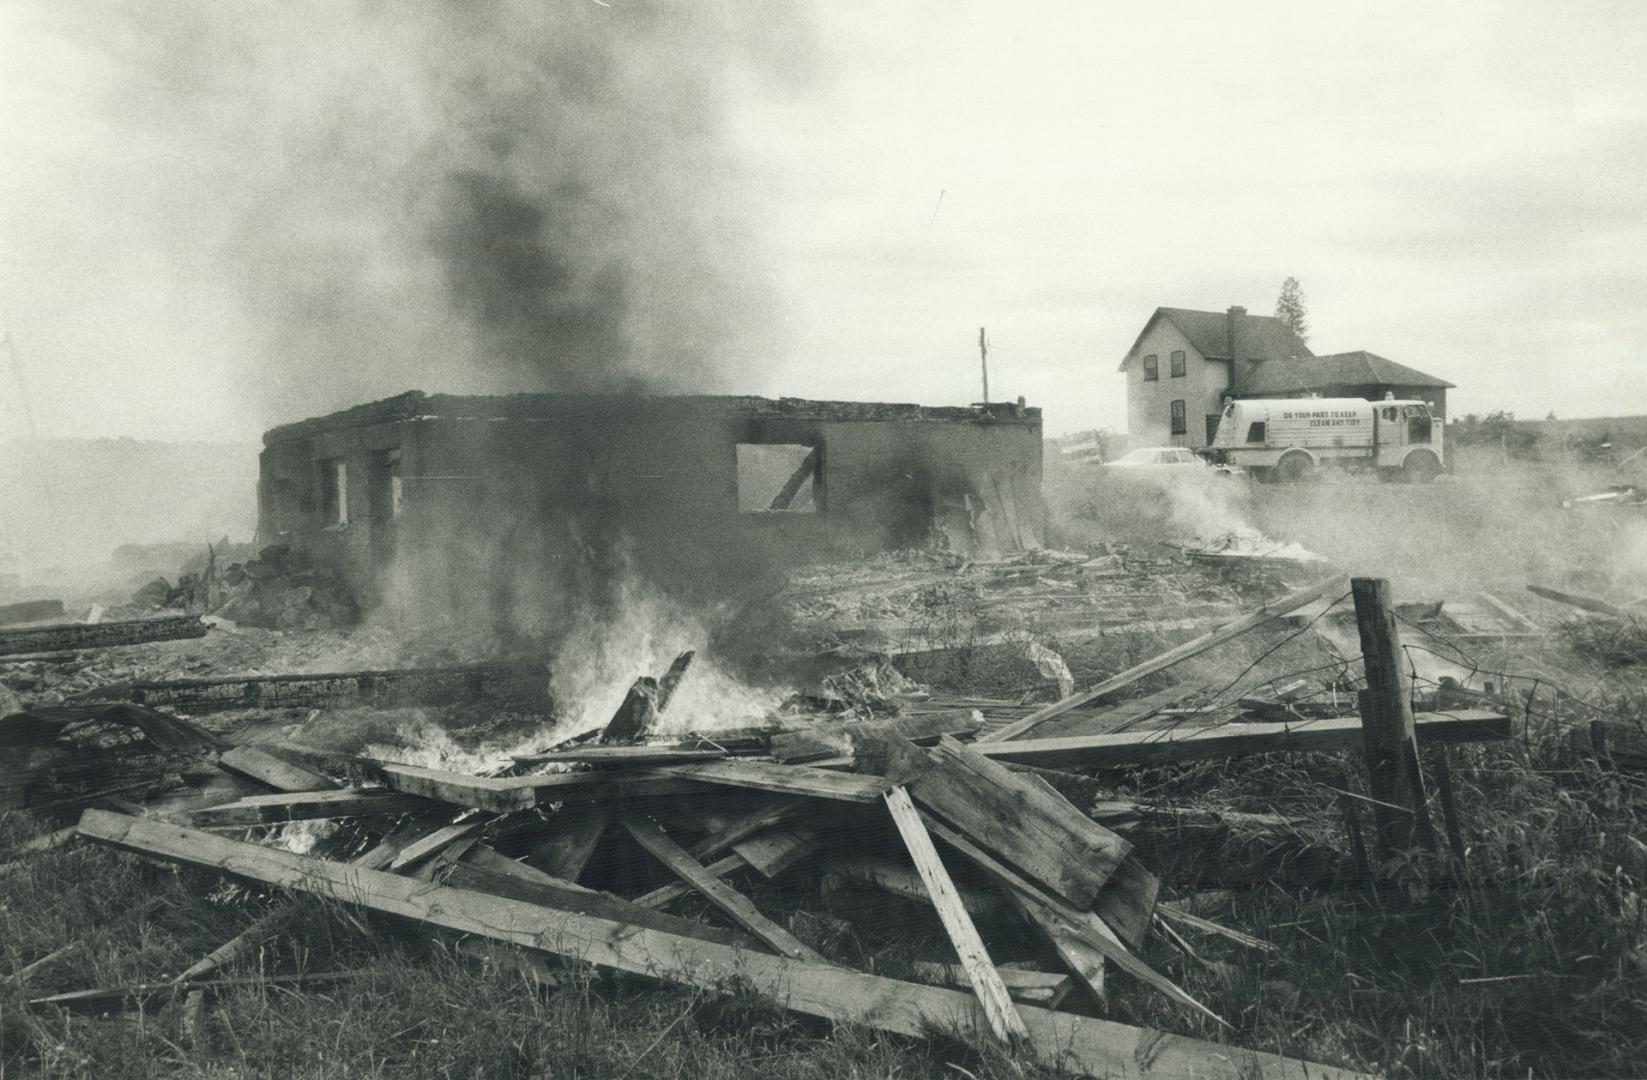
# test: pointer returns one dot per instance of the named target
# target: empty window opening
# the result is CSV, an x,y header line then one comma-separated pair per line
x,y
334,492
1178,363
1152,369
1179,427
778,478
1255,431
387,498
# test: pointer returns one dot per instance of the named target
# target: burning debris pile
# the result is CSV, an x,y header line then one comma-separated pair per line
x,y
1000,821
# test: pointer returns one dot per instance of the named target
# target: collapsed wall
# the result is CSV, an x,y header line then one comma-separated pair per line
x,y
512,504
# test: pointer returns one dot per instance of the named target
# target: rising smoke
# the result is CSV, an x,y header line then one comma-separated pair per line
x,y
477,197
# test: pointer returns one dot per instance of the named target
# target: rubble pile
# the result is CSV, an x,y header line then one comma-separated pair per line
x,y
997,821
280,588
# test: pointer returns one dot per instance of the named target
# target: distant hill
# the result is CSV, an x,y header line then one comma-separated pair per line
x,y
71,502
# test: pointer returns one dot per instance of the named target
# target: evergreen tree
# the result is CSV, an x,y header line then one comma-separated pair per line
x,y
1289,307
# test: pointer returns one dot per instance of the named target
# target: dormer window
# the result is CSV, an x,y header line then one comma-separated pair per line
x,y
1152,368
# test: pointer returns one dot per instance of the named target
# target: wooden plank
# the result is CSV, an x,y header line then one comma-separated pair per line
x,y
776,850
1401,811
986,982
748,825
665,894
1517,619
1585,603
1076,1043
278,773
671,679
1191,648
1126,903
782,779
1118,718
418,850
503,795
1026,986
59,636
307,805
1160,747
1032,827
828,740
897,879
1069,928
733,903
489,877
797,480
577,832
622,755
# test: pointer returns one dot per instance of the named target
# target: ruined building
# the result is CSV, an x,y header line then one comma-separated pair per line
x,y
445,495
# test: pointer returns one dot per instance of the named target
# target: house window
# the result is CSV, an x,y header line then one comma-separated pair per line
x,y
776,478
1152,369
1179,427
1178,363
1255,431
334,492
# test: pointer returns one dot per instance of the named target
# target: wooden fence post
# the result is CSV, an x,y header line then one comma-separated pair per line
x,y
1400,813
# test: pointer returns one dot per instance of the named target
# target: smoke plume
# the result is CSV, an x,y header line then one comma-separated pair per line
x,y
479,197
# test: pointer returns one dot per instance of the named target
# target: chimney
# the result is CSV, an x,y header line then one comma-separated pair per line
x,y
1237,370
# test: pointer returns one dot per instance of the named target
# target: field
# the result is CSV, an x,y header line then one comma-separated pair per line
x,y
1527,956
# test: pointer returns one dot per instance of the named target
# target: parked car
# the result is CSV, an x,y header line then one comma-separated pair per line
x,y
1167,461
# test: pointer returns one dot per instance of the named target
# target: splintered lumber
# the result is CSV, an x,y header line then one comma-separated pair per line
x,y
783,779
490,876
897,879
1035,829
671,679
1195,647
278,773
737,906
418,850
623,755
776,850
306,805
748,825
665,894
1586,603
30,611
1400,809
1028,987
1122,716
636,716
60,636
1077,1044
1076,934
505,794
986,982
1521,622
567,852
165,731
1191,744
520,684
828,740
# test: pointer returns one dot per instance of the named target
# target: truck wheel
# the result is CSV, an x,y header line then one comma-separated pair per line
x,y
1420,467
1294,468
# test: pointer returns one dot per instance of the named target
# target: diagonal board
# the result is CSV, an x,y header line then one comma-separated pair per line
x,y
1078,1044
1123,715
716,891
1228,740
829,740
1065,925
278,773
969,947
1038,832
1196,647
307,805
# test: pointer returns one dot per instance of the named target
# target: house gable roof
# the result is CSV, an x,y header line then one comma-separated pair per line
x,y
1359,368
1258,337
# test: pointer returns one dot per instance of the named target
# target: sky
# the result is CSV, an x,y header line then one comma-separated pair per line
x,y
217,221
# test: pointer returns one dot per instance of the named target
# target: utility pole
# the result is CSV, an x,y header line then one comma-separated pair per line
x,y
984,359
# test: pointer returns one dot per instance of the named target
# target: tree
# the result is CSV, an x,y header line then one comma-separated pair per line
x,y
1289,308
